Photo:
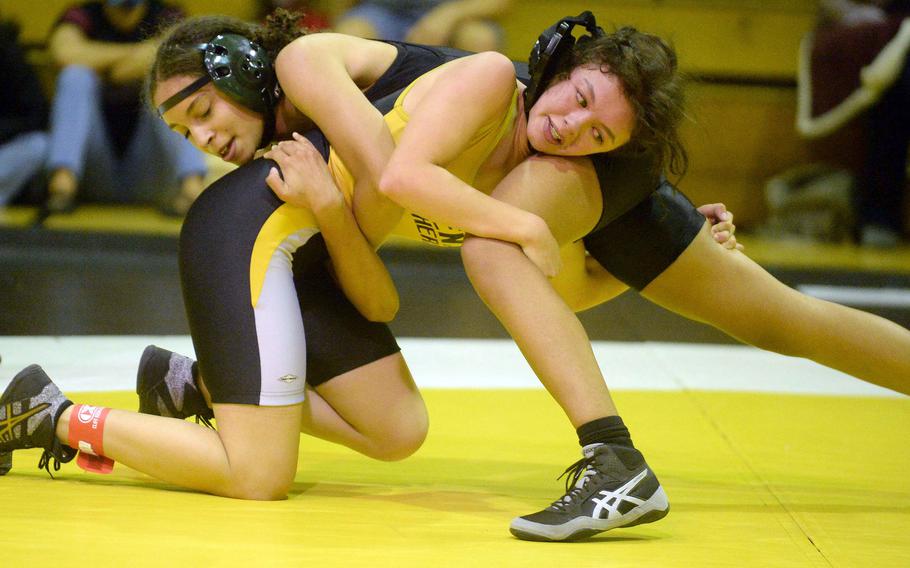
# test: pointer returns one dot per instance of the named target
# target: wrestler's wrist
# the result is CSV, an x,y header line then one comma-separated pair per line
x,y
532,230
328,207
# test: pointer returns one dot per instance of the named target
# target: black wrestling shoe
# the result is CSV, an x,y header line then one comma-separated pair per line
x,y
166,386
610,487
29,410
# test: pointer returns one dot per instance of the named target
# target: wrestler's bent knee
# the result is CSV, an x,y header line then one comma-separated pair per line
x,y
261,486
403,444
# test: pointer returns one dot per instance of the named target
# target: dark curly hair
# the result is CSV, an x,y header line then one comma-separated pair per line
x,y
646,67
179,54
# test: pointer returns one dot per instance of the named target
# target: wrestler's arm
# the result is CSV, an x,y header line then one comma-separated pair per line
x,y
360,272
323,76
463,97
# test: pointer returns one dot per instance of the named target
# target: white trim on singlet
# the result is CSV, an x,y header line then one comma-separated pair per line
x,y
279,327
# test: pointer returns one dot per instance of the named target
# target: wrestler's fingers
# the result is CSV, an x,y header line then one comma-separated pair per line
x,y
287,147
730,242
723,226
273,153
303,140
274,181
296,149
280,157
714,211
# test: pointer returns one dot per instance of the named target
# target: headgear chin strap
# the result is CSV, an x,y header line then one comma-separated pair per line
x,y
241,69
550,50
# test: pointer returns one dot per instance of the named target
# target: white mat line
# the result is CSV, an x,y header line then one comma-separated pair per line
x,y
98,363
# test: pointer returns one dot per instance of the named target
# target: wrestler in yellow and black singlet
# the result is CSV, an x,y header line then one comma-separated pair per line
x,y
265,315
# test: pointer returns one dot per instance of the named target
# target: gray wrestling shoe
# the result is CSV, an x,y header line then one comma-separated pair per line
x,y
29,410
610,487
166,386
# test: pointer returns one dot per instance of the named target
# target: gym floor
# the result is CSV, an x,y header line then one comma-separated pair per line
x,y
767,460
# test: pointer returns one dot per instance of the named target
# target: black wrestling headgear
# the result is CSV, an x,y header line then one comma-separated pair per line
x,y
241,69
551,49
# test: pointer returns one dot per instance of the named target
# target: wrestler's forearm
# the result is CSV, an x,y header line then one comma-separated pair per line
x,y
434,192
361,273
376,214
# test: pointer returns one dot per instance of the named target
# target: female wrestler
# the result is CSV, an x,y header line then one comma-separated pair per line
x,y
611,89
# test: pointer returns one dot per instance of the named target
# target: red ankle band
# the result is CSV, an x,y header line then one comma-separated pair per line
x,y
86,435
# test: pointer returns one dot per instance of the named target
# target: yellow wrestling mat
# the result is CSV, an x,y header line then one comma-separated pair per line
x,y
754,480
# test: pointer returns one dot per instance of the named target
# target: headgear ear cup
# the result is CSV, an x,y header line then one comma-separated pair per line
x,y
242,70
553,45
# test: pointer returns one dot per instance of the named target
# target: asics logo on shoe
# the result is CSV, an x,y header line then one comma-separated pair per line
x,y
10,422
611,500
288,378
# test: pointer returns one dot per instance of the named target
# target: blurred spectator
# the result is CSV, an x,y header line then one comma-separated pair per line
x,y
104,143
23,117
855,99
313,17
465,24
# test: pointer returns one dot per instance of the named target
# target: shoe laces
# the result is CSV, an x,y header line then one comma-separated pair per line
x,y
55,456
47,460
577,475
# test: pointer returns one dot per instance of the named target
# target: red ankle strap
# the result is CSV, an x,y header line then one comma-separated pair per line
x,y
86,433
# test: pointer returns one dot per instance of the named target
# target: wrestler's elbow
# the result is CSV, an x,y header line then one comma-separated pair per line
x,y
384,314
380,310
390,181
398,179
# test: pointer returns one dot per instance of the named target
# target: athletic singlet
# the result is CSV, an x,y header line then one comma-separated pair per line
x,y
413,225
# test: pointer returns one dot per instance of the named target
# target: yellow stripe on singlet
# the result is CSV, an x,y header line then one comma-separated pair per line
x,y
284,222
